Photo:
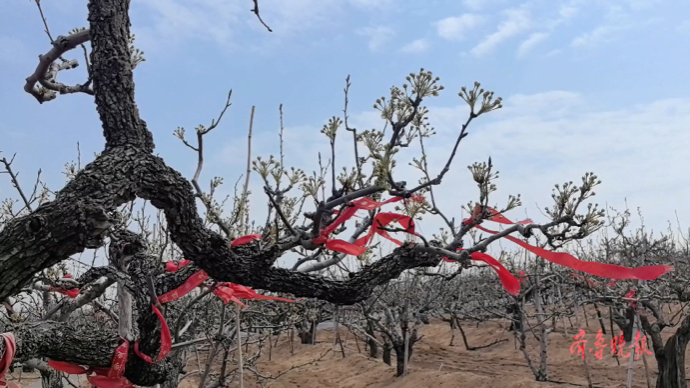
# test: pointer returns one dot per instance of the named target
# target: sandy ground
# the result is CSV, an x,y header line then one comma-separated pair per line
x,y
437,364
434,363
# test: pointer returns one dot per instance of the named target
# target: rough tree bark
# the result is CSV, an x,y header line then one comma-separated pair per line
x,y
399,348
670,356
305,331
371,342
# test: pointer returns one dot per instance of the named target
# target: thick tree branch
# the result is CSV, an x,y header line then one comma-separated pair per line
x,y
47,70
113,80
91,346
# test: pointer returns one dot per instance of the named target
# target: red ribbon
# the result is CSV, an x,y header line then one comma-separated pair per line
x,y
565,259
166,340
226,291
244,292
380,222
227,295
72,293
191,283
630,295
101,377
7,358
172,266
245,239
364,203
508,281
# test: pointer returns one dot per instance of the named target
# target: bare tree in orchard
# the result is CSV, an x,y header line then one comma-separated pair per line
x,y
307,214
647,307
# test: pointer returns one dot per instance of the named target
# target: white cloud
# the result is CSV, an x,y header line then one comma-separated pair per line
x,y
547,138
473,4
456,27
222,21
415,47
567,11
532,41
179,20
616,20
517,21
378,36
595,37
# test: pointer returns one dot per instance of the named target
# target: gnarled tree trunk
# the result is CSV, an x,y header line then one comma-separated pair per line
x,y
670,356
399,348
51,379
373,346
671,362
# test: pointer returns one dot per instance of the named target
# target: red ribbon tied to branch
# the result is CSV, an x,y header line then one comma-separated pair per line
x,y
191,283
245,239
380,220
226,291
72,293
166,339
7,358
631,295
610,271
508,281
101,377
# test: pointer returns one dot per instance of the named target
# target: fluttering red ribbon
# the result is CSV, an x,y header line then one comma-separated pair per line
x,y
508,281
244,292
379,221
227,294
166,340
245,239
101,377
567,260
226,291
72,293
512,285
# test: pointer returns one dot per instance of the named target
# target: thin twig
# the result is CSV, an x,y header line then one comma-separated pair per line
x,y
255,10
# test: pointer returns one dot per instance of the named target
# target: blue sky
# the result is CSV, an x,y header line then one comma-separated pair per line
x,y
589,85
